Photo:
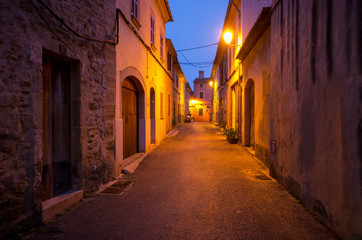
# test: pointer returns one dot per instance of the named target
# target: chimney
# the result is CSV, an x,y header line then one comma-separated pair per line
x,y
201,74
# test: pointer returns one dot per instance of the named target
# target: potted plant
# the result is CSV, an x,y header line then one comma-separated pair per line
x,y
231,135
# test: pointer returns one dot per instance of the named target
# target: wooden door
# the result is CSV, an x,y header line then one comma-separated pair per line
x,y
130,118
56,129
61,126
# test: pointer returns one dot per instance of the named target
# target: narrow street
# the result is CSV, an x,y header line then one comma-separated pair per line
x,y
192,186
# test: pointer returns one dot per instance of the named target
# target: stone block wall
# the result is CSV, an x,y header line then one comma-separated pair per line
x,y
28,31
316,78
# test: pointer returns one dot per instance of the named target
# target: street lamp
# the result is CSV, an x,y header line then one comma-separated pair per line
x,y
211,83
228,36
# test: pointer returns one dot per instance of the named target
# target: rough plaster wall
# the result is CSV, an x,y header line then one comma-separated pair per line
x,y
250,12
26,35
256,66
315,108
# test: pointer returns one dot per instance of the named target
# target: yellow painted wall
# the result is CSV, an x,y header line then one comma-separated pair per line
x,y
134,60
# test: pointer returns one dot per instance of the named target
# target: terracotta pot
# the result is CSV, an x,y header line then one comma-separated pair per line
x,y
233,140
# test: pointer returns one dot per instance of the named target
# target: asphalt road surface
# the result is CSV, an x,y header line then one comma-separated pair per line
x,y
192,186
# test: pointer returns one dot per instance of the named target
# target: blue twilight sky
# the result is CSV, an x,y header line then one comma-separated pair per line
x,y
196,23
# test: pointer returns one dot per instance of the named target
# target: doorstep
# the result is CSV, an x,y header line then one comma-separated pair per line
x,y
60,204
131,163
172,133
250,150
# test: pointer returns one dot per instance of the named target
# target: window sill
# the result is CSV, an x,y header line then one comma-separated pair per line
x,y
162,60
135,21
153,47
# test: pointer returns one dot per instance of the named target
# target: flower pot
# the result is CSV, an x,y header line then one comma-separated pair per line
x,y
233,140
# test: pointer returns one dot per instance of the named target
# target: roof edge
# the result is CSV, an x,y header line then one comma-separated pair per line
x,y
255,33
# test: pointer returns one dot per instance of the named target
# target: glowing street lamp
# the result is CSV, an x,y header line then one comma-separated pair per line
x,y
228,36
211,83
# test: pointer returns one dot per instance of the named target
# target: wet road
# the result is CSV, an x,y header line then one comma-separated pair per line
x,y
192,186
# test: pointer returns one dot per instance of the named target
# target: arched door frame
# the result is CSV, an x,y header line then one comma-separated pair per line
x,y
133,74
249,115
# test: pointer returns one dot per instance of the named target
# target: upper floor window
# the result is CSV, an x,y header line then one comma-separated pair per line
x,y
201,85
201,95
161,46
169,61
135,8
152,31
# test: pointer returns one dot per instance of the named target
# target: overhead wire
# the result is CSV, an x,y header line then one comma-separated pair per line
x,y
195,65
194,48
61,20
51,29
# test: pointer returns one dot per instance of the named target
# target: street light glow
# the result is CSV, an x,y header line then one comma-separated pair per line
x,y
228,36
211,83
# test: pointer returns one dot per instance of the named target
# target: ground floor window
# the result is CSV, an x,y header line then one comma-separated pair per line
x,y
201,112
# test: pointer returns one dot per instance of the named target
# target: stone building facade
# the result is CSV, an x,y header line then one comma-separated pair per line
x,y
201,110
255,58
304,60
142,77
57,102
315,108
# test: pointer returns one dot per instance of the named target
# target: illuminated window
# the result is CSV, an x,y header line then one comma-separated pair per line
x,y
201,112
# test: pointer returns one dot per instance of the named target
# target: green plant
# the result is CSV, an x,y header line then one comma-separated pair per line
x,y
230,133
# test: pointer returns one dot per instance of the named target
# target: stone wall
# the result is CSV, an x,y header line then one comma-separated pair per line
x,y
26,36
316,112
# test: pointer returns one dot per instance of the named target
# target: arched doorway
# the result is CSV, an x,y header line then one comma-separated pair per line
x,y
249,114
153,115
130,118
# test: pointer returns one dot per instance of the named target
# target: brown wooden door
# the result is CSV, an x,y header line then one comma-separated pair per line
x,y
130,118
56,136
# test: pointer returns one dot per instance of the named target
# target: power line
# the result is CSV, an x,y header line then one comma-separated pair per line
x,y
195,65
61,21
194,48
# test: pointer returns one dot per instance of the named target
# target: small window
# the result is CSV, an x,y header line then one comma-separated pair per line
x,y
152,31
135,9
176,81
201,85
174,75
201,95
201,112
161,46
169,61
